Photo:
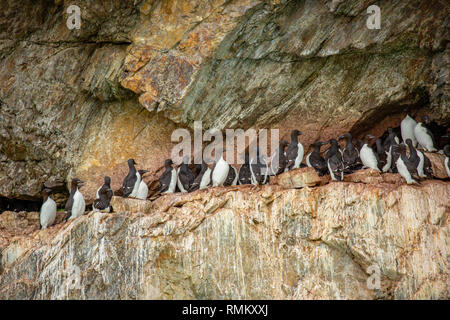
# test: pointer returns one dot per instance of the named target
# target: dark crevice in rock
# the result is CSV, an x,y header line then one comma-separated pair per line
x,y
373,117
17,205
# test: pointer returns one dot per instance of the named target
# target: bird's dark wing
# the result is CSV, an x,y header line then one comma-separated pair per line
x,y
337,166
128,184
291,154
185,179
230,177
69,204
244,174
164,180
196,184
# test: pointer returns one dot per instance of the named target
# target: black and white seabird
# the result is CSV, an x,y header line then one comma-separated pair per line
x,y
350,154
47,215
168,180
232,177
203,178
334,161
130,185
384,157
414,161
185,176
447,159
143,188
75,205
367,155
220,171
294,153
258,169
278,160
103,202
245,174
315,160
424,136
404,166
407,129
333,149
395,154
390,139
107,183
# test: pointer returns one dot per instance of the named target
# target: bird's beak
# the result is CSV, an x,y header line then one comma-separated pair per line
x,y
370,136
341,137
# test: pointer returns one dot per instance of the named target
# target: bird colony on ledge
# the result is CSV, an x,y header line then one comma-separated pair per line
x,y
384,156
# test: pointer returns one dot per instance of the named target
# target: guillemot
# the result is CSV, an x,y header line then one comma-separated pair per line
x,y
142,192
131,182
367,154
220,170
245,174
47,214
294,153
278,160
75,205
102,204
334,161
404,166
424,136
350,154
203,178
315,160
168,179
407,129
185,176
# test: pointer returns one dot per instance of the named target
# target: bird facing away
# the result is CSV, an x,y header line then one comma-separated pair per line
x,y
278,160
350,154
407,129
245,174
185,176
102,203
334,163
203,178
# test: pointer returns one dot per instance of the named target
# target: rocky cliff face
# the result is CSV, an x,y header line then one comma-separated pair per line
x,y
326,242
81,102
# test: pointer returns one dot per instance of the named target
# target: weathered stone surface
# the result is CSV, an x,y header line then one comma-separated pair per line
x,y
276,64
437,163
311,243
299,178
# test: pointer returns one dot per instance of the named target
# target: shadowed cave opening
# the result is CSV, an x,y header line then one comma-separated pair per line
x,y
17,205
378,120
